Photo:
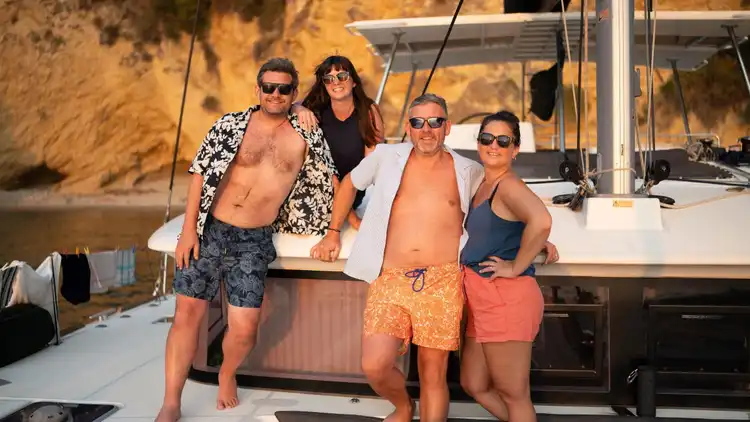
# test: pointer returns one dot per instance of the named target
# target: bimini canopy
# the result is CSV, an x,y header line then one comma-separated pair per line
x,y
690,38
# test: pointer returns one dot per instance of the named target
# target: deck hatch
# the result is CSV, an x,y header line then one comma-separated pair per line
x,y
55,411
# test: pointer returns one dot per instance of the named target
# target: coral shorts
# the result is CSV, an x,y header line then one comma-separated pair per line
x,y
422,304
503,309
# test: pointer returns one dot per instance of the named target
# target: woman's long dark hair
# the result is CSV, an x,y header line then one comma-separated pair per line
x,y
317,99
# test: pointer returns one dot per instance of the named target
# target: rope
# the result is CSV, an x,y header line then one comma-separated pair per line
x,y
650,124
706,201
548,201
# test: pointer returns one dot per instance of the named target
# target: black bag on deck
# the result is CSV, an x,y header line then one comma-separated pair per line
x,y
24,330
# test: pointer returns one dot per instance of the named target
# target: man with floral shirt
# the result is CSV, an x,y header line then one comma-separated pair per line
x,y
257,172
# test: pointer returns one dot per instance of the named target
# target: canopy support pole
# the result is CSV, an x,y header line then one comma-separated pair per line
x,y
388,66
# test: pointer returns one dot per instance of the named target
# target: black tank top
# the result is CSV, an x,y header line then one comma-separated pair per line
x,y
347,145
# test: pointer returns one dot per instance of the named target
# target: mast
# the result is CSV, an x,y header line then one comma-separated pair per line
x,y
615,105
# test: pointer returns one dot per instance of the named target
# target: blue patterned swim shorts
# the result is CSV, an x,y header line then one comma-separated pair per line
x,y
238,256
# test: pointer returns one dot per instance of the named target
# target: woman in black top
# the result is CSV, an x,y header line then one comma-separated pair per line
x,y
350,120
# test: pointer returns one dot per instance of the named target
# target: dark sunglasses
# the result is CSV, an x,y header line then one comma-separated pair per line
x,y
433,122
487,139
269,88
341,76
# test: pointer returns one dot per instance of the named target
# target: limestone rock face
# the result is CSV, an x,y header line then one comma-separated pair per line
x,y
90,90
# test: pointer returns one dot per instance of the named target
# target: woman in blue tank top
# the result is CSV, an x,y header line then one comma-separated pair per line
x,y
508,226
350,120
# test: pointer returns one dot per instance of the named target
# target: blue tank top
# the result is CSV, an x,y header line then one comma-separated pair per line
x,y
490,235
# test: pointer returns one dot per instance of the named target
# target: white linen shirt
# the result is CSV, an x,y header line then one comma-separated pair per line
x,y
383,169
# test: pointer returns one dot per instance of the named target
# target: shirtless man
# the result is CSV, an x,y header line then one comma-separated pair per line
x,y
243,173
408,247
418,292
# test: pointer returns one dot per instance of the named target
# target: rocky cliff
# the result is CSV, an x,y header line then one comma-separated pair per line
x,y
90,90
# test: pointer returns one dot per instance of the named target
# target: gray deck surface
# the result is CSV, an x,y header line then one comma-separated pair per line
x,y
329,417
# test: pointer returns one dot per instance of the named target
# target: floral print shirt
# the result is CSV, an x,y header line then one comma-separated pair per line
x,y
307,209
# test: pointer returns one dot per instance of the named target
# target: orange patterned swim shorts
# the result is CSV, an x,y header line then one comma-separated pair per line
x,y
422,304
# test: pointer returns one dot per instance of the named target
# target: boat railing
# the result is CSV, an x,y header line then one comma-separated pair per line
x,y
554,143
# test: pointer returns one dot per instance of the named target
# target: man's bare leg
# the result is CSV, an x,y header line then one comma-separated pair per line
x,y
379,354
433,384
238,341
182,343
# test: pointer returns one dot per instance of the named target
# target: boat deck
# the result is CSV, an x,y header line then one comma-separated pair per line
x,y
121,361
545,164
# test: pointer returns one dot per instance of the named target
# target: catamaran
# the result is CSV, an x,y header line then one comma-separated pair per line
x,y
646,312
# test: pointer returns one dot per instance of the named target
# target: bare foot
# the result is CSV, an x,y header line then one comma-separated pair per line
x,y
401,414
227,392
169,414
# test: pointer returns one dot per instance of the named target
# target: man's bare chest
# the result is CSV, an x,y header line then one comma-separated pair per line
x,y
440,192
283,151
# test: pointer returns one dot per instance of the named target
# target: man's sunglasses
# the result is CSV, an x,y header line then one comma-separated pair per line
x,y
487,139
269,88
433,122
341,76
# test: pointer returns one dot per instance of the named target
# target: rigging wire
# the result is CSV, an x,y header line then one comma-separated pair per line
x,y
650,52
549,201
646,153
568,55
439,54
580,75
162,279
581,180
650,119
182,108
442,47
586,82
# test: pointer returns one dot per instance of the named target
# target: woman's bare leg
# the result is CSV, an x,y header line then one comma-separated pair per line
x,y
475,379
509,364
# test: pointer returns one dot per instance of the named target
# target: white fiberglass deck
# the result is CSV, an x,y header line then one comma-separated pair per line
x,y
689,37
123,364
707,239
